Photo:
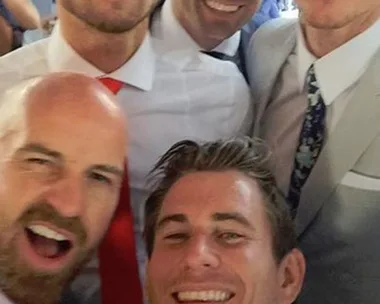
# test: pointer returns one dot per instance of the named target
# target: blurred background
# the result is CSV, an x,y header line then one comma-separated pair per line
x,y
47,11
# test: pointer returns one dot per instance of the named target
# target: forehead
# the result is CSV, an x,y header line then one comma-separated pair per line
x,y
200,195
78,133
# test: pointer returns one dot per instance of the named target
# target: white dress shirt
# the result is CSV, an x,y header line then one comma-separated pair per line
x,y
183,49
339,71
166,97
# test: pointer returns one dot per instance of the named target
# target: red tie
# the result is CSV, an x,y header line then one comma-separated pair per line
x,y
118,266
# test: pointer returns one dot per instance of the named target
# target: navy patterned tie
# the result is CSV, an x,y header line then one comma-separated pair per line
x,y
310,141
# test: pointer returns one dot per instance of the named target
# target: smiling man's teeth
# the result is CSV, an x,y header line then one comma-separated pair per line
x,y
209,295
46,232
222,7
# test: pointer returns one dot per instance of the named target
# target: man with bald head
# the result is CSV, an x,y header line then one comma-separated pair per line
x,y
168,95
59,183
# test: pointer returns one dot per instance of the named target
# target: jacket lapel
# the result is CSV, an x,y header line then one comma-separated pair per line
x,y
264,63
361,121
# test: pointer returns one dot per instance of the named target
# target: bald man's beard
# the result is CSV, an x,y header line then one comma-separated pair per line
x,y
23,283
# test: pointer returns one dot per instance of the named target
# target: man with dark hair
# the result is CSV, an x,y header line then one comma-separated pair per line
x,y
216,230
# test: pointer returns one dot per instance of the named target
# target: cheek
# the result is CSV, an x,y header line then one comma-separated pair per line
x,y
155,282
321,5
97,218
162,268
260,280
159,266
11,209
155,278
197,11
254,265
14,196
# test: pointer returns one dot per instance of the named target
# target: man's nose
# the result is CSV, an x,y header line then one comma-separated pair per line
x,y
200,254
68,195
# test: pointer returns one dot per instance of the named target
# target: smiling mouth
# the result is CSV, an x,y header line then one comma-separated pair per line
x,y
47,243
220,7
203,296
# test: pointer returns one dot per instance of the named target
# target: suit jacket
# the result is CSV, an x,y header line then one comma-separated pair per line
x,y
338,220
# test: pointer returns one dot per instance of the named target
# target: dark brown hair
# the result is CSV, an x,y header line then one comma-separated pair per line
x,y
245,155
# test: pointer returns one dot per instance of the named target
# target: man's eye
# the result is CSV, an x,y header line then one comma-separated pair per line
x,y
176,237
39,161
100,178
231,237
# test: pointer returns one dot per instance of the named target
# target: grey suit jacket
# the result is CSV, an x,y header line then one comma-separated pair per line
x,y
338,221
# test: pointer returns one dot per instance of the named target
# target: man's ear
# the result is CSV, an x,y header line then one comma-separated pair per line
x,y
291,275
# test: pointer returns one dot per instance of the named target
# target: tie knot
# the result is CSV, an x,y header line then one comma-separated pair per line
x,y
311,74
313,85
112,84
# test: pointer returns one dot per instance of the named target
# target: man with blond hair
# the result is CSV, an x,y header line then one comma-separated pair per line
x,y
316,84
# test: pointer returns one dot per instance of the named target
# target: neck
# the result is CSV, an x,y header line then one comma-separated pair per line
x,y
106,51
321,42
204,42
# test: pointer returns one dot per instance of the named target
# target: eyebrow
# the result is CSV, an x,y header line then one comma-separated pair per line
x,y
232,216
177,218
39,148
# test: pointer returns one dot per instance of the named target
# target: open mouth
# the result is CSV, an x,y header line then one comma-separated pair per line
x,y
47,243
204,296
220,7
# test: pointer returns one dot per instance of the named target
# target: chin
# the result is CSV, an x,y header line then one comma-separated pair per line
x,y
323,21
217,36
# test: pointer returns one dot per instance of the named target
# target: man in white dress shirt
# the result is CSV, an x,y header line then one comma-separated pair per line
x,y
59,181
317,87
211,22
212,26
168,95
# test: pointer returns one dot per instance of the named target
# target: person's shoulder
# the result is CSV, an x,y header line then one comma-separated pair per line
x,y
23,63
271,35
26,54
376,68
270,42
274,27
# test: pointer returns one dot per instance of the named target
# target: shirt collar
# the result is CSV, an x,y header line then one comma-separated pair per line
x,y
182,48
138,71
341,68
229,46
